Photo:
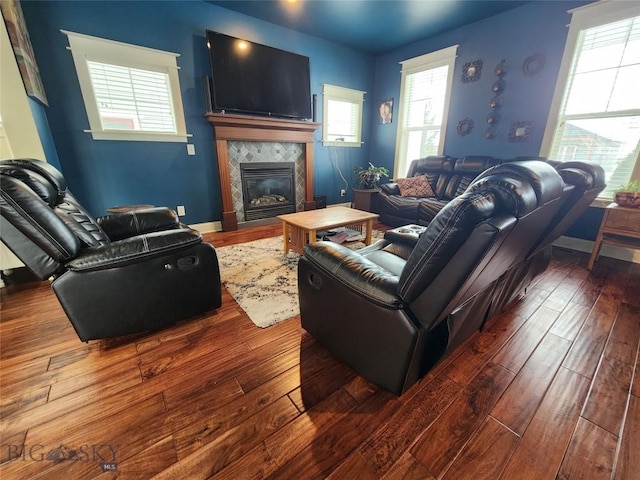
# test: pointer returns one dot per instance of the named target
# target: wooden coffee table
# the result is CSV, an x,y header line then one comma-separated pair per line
x,y
300,228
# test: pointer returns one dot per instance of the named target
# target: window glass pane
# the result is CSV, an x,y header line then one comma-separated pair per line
x,y
626,91
132,99
341,121
600,116
425,96
611,142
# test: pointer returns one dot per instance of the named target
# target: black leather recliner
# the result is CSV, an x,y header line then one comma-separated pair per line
x,y
114,275
393,309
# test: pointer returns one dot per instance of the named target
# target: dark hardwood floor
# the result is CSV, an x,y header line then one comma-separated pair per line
x,y
550,389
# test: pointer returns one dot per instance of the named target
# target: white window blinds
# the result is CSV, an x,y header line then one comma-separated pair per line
x,y
132,99
129,92
599,115
424,104
342,118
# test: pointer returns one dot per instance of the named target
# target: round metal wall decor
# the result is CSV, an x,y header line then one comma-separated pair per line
x,y
464,127
471,71
533,64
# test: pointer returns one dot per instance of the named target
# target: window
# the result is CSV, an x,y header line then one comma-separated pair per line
x,y
595,114
425,91
342,119
129,92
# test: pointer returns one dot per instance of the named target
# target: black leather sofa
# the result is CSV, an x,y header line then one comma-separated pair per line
x,y
395,308
449,177
114,275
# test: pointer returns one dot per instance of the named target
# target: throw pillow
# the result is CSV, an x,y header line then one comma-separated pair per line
x,y
415,187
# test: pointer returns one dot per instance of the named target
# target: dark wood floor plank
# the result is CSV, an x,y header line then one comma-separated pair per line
x,y
285,443
474,357
625,335
485,456
628,462
590,454
516,352
337,442
519,403
218,418
570,321
389,442
173,400
211,457
147,463
354,467
586,350
439,445
550,430
408,468
113,434
609,393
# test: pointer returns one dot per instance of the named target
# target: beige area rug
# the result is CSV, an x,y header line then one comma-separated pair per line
x,y
263,280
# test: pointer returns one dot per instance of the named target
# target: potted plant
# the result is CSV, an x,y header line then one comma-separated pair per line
x,y
628,195
368,178
365,197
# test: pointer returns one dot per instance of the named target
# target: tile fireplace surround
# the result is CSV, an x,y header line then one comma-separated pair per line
x,y
232,131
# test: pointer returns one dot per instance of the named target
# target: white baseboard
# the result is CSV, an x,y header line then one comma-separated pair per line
x,y
620,253
207,227
345,204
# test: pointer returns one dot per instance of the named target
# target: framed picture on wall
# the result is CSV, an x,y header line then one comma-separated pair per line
x,y
22,49
385,111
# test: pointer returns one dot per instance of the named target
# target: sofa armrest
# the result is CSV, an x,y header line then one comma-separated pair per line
x,y
390,188
124,225
355,272
134,250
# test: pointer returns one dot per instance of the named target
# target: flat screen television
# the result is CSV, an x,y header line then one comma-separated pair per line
x,y
256,79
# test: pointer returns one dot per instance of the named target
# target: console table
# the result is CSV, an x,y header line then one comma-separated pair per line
x,y
620,226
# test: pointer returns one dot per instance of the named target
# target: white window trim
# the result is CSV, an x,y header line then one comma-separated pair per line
x,y
446,56
587,16
333,92
87,48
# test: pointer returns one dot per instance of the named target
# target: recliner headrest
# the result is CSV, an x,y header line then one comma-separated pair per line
x,y
523,185
584,175
36,182
50,173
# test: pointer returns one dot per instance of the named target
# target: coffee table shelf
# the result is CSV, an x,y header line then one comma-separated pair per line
x,y
300,228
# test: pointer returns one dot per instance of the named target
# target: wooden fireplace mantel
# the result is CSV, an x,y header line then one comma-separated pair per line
x,y
258,129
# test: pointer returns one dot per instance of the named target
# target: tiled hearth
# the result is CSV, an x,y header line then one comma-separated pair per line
x,y
241,138
252,152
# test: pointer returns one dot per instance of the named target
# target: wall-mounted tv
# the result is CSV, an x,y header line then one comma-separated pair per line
x,y
253,78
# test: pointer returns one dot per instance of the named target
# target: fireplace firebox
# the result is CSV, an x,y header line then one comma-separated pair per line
x,y
268,189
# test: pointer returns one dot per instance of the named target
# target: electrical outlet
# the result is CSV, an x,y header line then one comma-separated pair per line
x,y
343,192
181,211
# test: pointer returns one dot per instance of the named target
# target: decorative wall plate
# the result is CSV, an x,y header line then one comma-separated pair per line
x,y
464,127
499,85
520,132
493,118
471,71
533,64
495,102
501,68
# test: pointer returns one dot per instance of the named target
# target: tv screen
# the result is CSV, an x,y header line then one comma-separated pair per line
x,y
253,78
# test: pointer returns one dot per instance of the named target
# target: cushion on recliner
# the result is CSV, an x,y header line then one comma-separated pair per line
x,y
415,187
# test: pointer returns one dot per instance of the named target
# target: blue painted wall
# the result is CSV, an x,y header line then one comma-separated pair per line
x,y
107,173
537,27
38,111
